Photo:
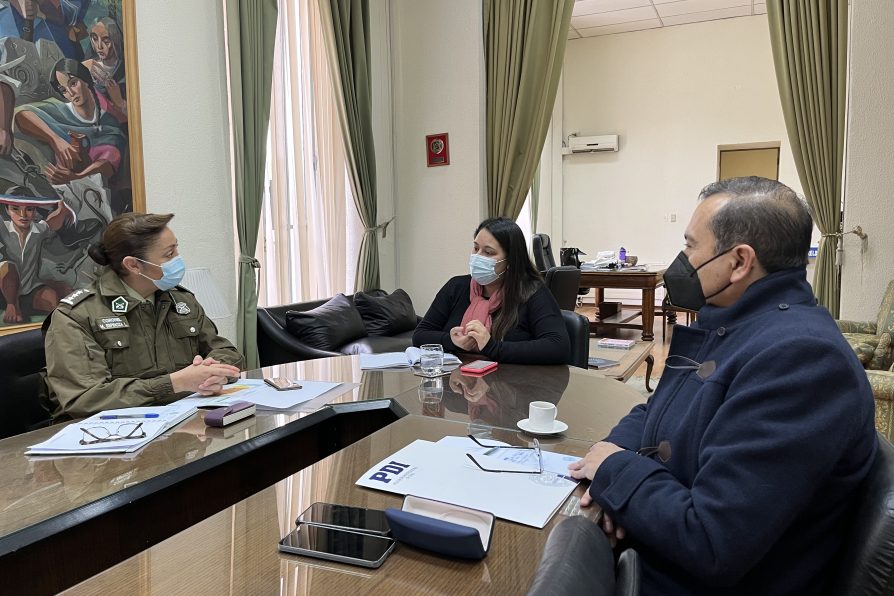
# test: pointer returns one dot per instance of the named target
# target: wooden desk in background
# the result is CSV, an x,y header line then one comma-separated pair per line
x,y
234,552
646,281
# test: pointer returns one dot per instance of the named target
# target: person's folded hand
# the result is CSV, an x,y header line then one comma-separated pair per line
x,y
206,379
587,467
461,340
477,330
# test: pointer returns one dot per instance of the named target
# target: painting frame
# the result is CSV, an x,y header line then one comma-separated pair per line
x,y
134,128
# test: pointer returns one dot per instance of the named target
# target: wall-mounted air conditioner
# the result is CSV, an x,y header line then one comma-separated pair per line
x,y
593,144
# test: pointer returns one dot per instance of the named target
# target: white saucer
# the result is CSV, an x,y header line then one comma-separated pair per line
x,y
558,427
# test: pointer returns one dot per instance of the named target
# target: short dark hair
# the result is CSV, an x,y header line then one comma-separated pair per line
x,y
128,235
766,215
520,280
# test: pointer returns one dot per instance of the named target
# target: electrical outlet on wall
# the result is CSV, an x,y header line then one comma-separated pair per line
x,y
673,217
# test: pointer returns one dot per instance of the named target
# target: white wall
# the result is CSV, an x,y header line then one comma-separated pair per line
x,y
437,86
380,66
183,101
672,95
869,171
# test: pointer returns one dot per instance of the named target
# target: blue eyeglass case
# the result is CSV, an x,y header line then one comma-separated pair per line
x,y
441,527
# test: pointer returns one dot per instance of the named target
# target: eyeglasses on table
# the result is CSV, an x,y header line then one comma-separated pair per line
x,y
535,449
103,434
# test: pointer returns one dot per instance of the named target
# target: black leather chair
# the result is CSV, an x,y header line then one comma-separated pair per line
x,y
578,559
277,346
578,328
544,260
21,360
564,283
543,252
866,560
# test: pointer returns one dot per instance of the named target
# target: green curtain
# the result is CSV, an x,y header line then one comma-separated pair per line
x,y
251,32
809,40
524,47
535,198
348,46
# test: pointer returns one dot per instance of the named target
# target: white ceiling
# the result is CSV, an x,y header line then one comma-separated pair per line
x,y
605,17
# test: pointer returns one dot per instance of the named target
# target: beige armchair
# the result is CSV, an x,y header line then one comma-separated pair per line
x,y
872,340
882,382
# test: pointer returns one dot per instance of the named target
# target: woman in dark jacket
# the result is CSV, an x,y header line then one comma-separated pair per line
x,y
502,310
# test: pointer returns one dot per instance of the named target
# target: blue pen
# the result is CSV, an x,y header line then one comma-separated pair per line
x,y
123,416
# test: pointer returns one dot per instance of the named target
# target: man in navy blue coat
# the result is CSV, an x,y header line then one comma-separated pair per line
x,y
738,474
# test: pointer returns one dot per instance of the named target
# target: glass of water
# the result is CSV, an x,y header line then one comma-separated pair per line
x,y
432,359
431,393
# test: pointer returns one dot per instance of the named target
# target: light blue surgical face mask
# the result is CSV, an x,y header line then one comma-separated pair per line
x,y
172,273
483,269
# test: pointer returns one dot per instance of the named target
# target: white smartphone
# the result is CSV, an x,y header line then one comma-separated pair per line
x,y
344,517
332,544
282,383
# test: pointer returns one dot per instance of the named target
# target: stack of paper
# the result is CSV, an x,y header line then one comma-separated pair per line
x,y
409,357
90,436
615,344
443,472
264,396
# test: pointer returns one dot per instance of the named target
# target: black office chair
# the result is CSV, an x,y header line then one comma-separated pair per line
x,y
577,559
542,249
543,252
578,328
21,360
866,559
563,282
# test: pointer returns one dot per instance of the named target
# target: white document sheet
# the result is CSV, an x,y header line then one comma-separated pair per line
x,y
151,420
443,472
557,463
263,395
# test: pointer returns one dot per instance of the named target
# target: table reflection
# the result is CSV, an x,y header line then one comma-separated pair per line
x,y
502,400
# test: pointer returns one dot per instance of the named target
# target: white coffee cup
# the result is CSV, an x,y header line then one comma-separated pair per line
x,y
542,416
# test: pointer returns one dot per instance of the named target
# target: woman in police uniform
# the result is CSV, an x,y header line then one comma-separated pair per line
x,y
133,337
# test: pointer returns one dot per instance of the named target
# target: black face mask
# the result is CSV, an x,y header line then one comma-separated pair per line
x,y
684,289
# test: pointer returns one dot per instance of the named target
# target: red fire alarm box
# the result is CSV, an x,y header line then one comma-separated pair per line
x,y
437,150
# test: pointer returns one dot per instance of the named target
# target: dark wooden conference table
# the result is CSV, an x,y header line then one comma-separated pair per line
x,y
201,509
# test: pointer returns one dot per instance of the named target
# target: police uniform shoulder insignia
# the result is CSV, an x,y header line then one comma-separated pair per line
x,y
182,308
77,296
119,304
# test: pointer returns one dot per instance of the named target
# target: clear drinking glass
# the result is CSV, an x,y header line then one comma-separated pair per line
x,y
431,393
432,359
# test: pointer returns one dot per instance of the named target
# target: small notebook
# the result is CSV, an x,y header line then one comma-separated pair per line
x,y
406,359
616,344
601,363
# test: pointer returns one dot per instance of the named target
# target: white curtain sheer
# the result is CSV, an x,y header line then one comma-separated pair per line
x,y
310,229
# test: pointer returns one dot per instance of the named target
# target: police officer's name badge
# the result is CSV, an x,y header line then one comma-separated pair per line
x,y
106,323
119,304
182,308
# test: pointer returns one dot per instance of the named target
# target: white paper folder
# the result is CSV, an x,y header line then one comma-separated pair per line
x,y
444,473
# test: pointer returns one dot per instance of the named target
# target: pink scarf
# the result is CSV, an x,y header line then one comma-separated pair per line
x,y
481,308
